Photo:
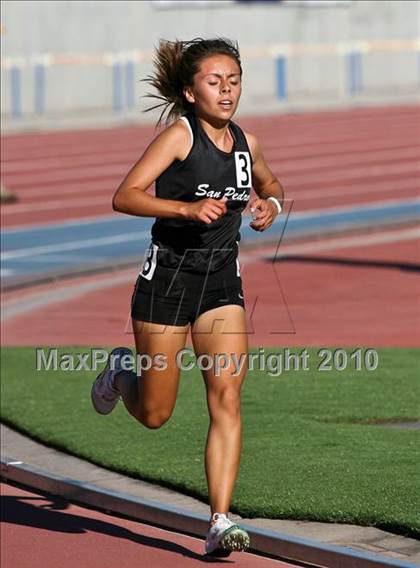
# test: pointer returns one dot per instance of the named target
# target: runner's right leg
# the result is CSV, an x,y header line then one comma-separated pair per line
x,y
151,396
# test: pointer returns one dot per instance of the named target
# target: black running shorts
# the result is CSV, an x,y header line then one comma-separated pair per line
x,y
176,297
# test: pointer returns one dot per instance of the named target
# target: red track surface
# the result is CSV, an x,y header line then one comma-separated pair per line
x,y
38,533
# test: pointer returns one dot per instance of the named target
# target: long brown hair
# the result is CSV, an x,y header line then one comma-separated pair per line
x,y
176,63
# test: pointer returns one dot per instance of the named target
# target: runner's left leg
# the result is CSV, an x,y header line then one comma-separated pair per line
x,y
222,331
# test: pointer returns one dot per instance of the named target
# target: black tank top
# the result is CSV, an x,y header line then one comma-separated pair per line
x,y
207,171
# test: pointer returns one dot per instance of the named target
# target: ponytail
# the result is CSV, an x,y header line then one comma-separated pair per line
x,y
176,63
166,81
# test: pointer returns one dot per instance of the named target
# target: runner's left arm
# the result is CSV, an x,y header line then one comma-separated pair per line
x,y
265,185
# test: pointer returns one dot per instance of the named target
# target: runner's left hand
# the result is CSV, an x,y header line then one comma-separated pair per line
x,y
264,214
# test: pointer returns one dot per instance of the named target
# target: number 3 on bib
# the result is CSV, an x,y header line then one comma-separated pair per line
x,y
149,265
243,169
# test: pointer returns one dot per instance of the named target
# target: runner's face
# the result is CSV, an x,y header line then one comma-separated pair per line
x,y
217,80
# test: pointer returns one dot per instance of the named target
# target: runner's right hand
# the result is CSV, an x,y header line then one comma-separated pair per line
x,y
206,210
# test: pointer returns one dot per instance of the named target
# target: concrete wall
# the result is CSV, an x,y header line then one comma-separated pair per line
x,y
33,28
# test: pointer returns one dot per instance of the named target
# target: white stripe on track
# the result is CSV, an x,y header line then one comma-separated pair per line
x,y
336,244
67,292
77,188
354,159
59,223
343,208
101,171
337,192
340,174
357,241
50,164
74,245
300,146
62,204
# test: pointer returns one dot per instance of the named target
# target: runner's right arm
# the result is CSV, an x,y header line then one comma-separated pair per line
x,y
131,196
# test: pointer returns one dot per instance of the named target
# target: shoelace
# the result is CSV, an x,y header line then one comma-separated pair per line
x,y
218,516
221,520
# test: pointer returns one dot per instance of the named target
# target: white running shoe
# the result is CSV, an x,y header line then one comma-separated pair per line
x,y
104,395
224,536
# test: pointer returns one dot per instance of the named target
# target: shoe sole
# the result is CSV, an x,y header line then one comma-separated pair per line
x,y
219,553
236,539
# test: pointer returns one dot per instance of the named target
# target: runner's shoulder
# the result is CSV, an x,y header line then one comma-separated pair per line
x,y
253,145
176,138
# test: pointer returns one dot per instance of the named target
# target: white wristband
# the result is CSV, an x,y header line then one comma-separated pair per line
x,y
277,202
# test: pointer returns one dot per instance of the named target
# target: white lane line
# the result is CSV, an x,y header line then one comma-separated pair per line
x,y
353,160
61,204
338,174
70,258
333,244
338,192
64,293
322,212
74,173
7,272
57,163
325,140
356,241
74,221
74,245
81,188
122,275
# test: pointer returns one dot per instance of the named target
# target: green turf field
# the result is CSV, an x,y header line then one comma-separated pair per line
x,y
308,452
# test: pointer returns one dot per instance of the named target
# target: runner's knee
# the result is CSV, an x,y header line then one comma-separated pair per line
x,y
226,401
153,419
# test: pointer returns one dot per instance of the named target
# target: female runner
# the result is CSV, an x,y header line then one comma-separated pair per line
x,y
204,166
